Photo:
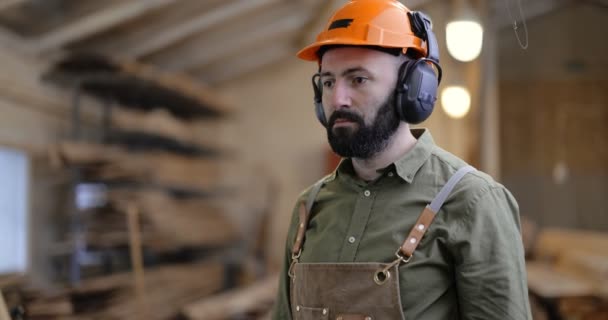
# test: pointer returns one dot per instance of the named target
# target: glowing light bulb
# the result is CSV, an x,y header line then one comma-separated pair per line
x,y
464,39
456,101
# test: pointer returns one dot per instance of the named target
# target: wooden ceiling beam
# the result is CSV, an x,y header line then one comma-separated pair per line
x,y
9,39
254,60
277,29
188,28
9,3
92,24
206,46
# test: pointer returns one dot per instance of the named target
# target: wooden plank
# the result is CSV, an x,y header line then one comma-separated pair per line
x,y
161,122
137,261
591,267
583,308
257,297
89,25
182,222
243,64
555,242
4,315
51,307
284,26
547,282
168,289
180,82
184,29
11,280
167,223
158,168
184,56
111,297
4,4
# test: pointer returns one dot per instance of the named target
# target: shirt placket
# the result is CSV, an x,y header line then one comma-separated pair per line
x,y
354,234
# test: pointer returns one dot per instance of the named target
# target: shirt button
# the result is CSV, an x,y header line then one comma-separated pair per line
x,y
390,174
352,239
367,193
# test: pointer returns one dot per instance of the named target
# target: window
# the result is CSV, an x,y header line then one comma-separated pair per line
x,y
13,211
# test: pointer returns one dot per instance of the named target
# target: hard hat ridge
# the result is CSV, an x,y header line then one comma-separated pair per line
x,y
381,23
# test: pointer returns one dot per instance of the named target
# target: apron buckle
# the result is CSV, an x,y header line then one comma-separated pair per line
x,y
382,275
295,258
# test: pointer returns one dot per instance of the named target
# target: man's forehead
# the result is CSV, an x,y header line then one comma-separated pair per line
x,y
341,59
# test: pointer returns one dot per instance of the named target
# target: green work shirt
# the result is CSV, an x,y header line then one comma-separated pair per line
x,y
469,265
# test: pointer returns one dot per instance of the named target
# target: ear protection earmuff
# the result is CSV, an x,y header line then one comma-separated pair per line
x,y
416,90
417,83
317,87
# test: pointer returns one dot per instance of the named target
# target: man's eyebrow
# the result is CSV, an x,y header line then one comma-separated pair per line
x,y
346,72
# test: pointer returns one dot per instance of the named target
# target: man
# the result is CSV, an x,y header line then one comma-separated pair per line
x,y
401,229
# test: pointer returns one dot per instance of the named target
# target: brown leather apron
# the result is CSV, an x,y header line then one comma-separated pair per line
x,y
355,291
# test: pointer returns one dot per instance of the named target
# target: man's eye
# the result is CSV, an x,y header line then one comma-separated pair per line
x,y
328,83
359,80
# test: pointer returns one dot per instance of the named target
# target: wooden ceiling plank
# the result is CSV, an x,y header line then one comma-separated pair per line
x,y
188,55
244,64
10,3
189,28
277,29
89,25
8,39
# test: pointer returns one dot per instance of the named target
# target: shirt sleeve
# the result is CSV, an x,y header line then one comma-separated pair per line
x,y
488,253
282,309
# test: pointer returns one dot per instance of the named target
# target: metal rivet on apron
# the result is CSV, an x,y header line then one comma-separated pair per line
x,y
367,193
420,227
390,174
352,239
297,308
413,240
324,311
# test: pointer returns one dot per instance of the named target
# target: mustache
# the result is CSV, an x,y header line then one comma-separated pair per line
x,y
342,114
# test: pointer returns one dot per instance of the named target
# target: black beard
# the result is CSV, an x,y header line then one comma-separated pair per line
x,y
365,141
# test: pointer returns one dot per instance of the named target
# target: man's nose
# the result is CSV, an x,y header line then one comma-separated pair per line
x,y
339,96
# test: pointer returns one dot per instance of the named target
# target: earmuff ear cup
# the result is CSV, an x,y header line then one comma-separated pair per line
x,y
416,91
318,99
320,113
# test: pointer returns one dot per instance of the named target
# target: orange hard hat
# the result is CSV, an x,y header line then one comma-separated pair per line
x,y
383,23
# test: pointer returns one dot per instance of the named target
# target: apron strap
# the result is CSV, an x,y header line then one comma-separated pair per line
x,y
304,213
428,214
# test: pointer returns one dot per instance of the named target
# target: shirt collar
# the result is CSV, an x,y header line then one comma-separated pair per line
x,y
412,161
406,167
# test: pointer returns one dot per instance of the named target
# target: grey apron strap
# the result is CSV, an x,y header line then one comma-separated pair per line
x,y
449,186
428,214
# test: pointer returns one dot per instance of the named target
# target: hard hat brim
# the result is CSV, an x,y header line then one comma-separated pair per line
x,y
310,52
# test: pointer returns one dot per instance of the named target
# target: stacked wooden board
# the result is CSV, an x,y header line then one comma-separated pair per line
x,y
568,274
167,288
153,141
157,149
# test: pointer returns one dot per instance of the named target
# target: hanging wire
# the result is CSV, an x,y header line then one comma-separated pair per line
x,y
515,27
